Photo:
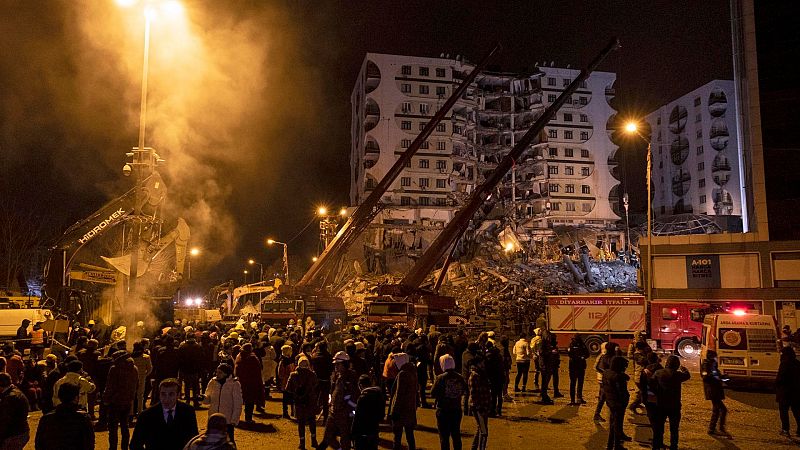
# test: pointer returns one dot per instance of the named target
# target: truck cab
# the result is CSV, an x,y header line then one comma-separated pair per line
x,y
746,343
672,327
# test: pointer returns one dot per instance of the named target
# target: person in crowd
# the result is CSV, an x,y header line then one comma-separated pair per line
x,y
14,365
607,352
14,408
344,398
144,367
472,352
522,356
248,370
615,386
669,381
403,403
168,425
637,354
269,366
496,375
370,409
577,353
536,346
286,366
38,341
120,392
214,438
302,384
73,375
447,390
423,354
224,396
190,365
714,391
22,341
787,389
67,427
32,382
165,365
480,399
322,365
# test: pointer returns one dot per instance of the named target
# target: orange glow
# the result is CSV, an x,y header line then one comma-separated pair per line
x,y
738,312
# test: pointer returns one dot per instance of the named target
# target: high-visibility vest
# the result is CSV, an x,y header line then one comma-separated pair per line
x,y
37,337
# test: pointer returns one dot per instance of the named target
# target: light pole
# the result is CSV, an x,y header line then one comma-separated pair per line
x,y
285,258
627,229
245,272
194,251
251,261
631,128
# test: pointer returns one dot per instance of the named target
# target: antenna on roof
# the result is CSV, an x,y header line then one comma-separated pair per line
x,y
441,55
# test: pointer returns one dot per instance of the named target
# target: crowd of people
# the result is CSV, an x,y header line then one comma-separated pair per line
x,y
352,380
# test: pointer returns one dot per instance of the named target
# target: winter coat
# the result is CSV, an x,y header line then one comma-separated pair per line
x,y
144,365
712,380
66,428
166,365
577,353
550,359
15,368
602,364
224,397
190,357
669,387
466,357
522,350
495,370
248,370
403,404
13,413
615,386
787,382
370,410
87,387
480,396
303,384
286,366
448,388
268,364
648,384
123,378
210,441
321,365
344,394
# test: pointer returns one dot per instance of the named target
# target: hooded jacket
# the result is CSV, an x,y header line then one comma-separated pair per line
x,y
123,379
224,397
403,405
615,383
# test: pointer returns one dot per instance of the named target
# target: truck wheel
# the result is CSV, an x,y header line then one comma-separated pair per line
x,y
593,343
688,348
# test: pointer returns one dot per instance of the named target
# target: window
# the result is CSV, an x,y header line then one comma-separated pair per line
x,y
424,163
701,183
565,82
552,134
553,152
441,183
456,129
405,143
568,152
551,98
424,108
585,171
700,150
701,166
424,72
441,145
441,91
658,121
702,199
405,201
551,81
568,100
424,201
584,118
582,85
568,134
422,125
441,164
569,188
555,206
570,206
441,127
553,188
405,88
586,207
585,189
423,88
583,100
441,201
567,117
584,153
669,313
370,183
406,70
552,170
698,118
424,182
405,125
569,170
661,164
425,144
405,181
584,135
699,134
406,107
697,101
408,163
440,73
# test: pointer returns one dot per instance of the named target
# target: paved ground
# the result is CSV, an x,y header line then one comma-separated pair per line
x,y
753,422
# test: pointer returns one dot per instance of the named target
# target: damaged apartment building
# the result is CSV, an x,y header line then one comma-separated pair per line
x,y
568,179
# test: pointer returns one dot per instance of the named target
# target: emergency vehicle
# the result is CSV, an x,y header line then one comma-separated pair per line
x,y
747,344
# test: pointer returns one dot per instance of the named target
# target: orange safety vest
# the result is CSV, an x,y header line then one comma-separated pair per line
x,y
37,337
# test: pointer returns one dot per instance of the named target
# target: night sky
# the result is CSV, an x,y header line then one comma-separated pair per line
x,y
249,101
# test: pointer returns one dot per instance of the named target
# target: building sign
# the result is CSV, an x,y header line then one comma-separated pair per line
x,y
702,271
94,276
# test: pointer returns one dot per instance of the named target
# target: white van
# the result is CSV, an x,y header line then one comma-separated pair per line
x,y
11,319
747,345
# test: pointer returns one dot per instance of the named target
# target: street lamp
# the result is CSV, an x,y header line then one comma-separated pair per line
x,y
194,251
633,128
251,261
285,258
627,229
245,275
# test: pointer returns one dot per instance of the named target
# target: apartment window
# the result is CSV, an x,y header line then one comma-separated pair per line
x,y
701,183
585,171
441,91
700,150
584,118
424,163
701,166
441,164
567,117
584,153
424,72
405,143
405,181
406,70
698,118
569,170
586,189
568,134
406,107
441,145
568,100
441,183
405,201
586,207
440,73
441,127
584,135
553,188
405,125
456,129
424,182
441,201
658,121
422,125
583,100
551,98
553,152
699,134
569,188
405,88
702,199
424,108
552,134
583,84
423,89
565,82
551,81
697,101
408,163
570,206
424,201
555,206
568,152
425,145
552,170
661,164
370,183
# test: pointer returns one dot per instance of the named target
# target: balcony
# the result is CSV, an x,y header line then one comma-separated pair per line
x,y
677,119
373,77
721,164
679,150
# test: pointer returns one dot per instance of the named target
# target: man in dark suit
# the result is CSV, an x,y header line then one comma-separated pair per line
x,y
168,425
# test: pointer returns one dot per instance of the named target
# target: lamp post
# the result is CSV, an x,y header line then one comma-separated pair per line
x,y
627,229
245,272
285,258
194,251
251,261
631,128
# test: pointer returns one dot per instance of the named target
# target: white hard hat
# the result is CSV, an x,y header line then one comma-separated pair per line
x,y
341,356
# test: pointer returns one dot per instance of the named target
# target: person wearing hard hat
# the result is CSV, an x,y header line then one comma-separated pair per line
x,y
344,398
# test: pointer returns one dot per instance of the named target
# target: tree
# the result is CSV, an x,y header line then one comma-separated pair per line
x,y
21,239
